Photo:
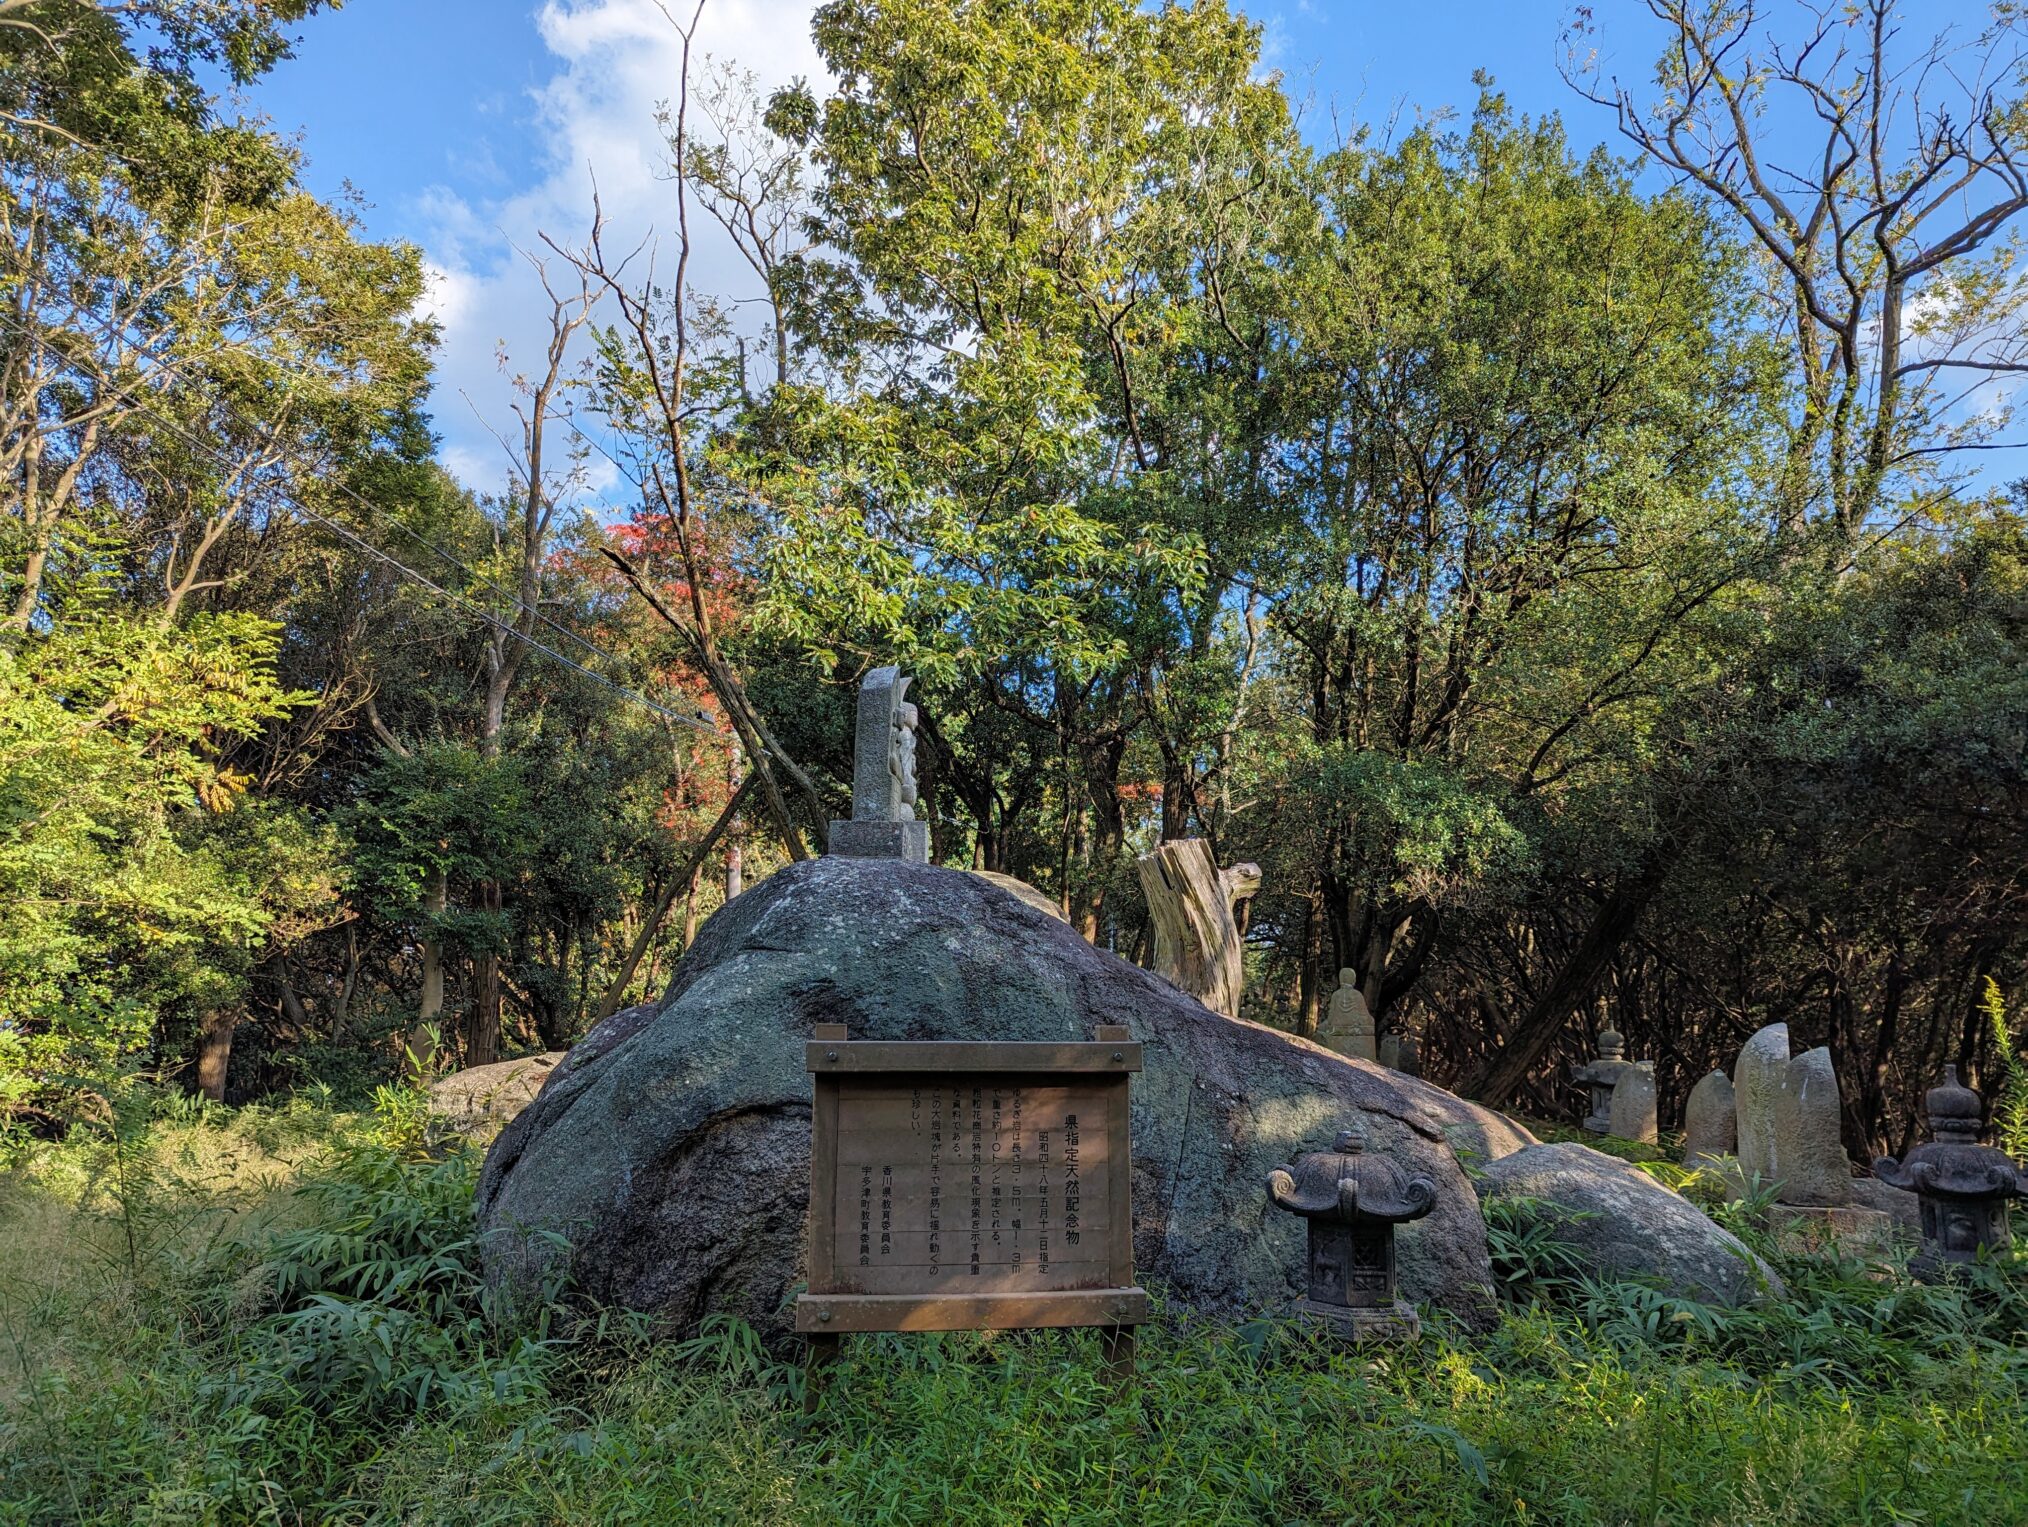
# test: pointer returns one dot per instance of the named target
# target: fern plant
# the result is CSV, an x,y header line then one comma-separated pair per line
x,y
2010,1106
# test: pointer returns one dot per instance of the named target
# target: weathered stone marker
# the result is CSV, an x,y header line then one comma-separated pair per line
x,y
1401,1051
1632,1113
884,824
1757,1087
970,1186
1788,1124
1348,1024
1809,1151
1710,1129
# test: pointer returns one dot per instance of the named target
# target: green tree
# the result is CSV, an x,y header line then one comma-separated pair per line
x,y
138,884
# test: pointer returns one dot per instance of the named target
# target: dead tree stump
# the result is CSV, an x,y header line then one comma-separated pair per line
x,y
1190,904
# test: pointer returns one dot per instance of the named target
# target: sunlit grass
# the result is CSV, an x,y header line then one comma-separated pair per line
x,y
302,1340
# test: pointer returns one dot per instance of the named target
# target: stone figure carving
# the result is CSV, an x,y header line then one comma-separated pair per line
x,y
1348,1023
901,751
883,824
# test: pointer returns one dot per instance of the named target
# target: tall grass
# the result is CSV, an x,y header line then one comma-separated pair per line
x,y
300,1333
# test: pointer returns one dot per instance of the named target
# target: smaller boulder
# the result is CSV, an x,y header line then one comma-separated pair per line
x,y
481,1099
1629,1226
1898,1204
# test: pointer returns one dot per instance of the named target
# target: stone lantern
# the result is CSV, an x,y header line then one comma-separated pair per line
x,y
1353,1201
1601,1074
1963,1186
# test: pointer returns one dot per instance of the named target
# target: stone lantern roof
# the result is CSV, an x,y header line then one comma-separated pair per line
x,y
1347,1185
1954,1164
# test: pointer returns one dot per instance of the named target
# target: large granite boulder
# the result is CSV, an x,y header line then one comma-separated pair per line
x,y
671,1147
1628,1225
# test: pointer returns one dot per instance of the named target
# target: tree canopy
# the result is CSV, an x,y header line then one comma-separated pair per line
x,y
1563,573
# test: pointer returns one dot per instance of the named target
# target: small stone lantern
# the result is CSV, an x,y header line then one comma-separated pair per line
x,y
1353,1201
1963,1186
1601,1074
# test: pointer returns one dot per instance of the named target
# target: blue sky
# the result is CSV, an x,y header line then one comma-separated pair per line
x,y
473,126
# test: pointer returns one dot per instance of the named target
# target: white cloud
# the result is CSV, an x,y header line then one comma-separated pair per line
x,y
616,61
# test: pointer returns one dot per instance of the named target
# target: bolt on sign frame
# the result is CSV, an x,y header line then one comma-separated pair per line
x,y
970,1186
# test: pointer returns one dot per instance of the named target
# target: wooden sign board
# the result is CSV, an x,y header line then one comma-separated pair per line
x,y
969,1186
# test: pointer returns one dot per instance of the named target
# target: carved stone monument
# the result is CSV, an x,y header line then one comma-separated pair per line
x,y
1401,1051
1788,1124
1710,1131
1632,1113
1809,1151
1757,1087
884,824
1348,1025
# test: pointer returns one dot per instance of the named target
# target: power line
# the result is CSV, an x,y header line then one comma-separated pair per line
x,y
347,534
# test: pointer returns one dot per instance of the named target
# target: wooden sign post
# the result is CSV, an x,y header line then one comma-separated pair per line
x,y
970,1186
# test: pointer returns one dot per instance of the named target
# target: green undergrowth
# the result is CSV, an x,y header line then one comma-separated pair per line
x,y
276,1315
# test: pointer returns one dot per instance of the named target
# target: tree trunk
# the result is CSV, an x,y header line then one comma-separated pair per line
x,y
1537,1029
422,1041
482,1029
610,1002
1190,901
292,1005
214,1051
1310,970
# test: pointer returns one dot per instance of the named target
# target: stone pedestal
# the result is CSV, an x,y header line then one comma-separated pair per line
x,y
880,840
1397,1322
1843,1228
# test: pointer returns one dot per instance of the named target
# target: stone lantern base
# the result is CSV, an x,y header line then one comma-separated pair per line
x,y
1388,1323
